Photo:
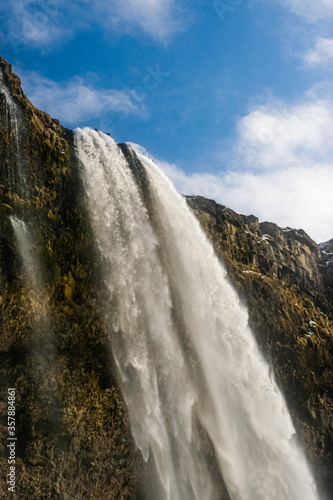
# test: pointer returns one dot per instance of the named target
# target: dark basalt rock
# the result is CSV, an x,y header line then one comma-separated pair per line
x,y
326,267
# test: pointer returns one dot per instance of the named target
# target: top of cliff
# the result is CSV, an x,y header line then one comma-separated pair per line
x,y
12,83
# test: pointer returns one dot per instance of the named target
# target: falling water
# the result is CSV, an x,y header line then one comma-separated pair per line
x,y
43,346
182,344
25,246
16,171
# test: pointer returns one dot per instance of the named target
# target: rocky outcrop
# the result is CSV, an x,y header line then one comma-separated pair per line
x,y
326,262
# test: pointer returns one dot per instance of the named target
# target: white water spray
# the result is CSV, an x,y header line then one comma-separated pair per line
x,y
164,282
25,247
43,347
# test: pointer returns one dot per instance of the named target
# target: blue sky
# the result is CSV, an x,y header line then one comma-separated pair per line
x,y
233,98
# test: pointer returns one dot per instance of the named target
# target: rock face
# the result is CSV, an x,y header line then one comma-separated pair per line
x,y
72,425
73,439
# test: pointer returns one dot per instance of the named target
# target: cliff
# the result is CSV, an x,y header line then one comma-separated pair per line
x,y
72,426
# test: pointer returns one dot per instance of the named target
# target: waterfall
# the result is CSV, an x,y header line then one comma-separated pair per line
x,y
43,347
24,243
16,169
187,360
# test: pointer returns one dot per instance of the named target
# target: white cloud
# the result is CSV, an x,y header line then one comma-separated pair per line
x,y
45,24
35,23
76,100
159,18
311,10
321,53
280,167
276,135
